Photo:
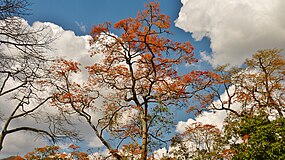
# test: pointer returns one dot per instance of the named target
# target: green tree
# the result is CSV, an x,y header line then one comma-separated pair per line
x,y
253,95
255,128
261,138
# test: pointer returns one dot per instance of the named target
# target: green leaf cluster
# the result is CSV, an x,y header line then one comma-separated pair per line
x,y
262,138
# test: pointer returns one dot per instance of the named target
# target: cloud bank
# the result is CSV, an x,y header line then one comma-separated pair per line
x,y
236,28
69,46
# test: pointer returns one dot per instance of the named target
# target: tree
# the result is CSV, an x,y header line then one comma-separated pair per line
x,y
254,100
53,152
23,69
253,97
199,141
261,85
138,69
258,87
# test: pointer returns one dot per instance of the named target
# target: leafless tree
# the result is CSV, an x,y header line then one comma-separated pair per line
x,y
23,69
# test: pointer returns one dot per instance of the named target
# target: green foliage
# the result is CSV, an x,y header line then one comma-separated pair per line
x,y
262,138
258,88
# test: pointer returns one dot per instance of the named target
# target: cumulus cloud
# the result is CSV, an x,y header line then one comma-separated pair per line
x,y
66,45
214,118
236,28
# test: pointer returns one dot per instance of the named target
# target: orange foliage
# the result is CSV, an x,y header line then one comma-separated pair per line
x,y
140,66
63,66
74,147
18,158
132,150
53,152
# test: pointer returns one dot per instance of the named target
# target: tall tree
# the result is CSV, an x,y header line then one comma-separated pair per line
x,y
138,69
139,66
23,68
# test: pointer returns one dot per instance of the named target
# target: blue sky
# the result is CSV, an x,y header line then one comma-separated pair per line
x,y
69,14
91,12
224,31
73,14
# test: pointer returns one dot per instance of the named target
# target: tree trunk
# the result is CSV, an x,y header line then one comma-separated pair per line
x,y
144,134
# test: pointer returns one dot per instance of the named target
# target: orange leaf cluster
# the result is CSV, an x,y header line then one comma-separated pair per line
x,y
53,152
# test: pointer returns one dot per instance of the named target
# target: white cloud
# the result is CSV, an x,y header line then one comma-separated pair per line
x,y
20,143
68,46
236,28
214,118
